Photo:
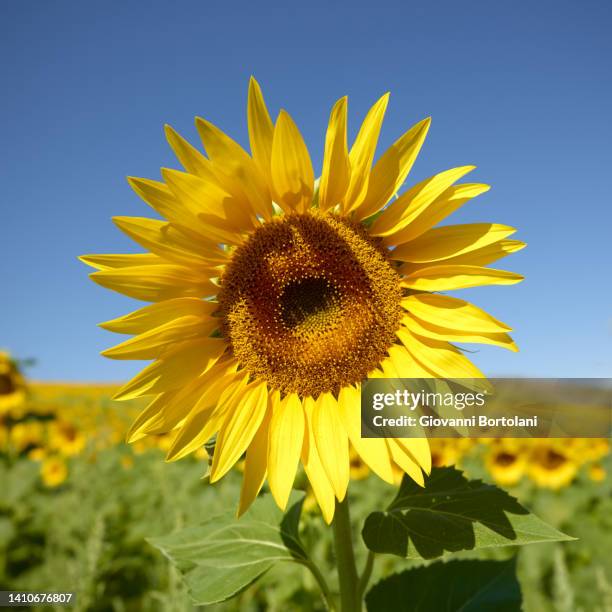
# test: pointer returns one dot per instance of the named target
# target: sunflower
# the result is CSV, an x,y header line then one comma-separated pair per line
x,y
506,460
552,465
53,471
12,384
27,435
590,449
597,472
65,438
449,451
275,295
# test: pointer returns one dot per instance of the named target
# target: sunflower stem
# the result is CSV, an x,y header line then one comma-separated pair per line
x,y
345,558
365,576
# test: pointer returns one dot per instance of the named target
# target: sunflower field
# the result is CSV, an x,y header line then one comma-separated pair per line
x,y
303,307
81,509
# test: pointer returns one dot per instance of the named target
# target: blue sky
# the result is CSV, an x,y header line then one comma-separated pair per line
x,y
522,90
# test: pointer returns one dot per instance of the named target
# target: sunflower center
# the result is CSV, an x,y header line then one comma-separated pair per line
x,y
6,384
310,303
505,459
553,460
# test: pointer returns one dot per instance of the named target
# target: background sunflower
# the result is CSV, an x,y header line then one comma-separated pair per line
x,y
12,384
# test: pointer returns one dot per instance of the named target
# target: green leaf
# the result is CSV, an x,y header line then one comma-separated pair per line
x,y
451,514
469,586
223,555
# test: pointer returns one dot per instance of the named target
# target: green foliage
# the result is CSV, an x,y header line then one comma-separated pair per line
x,y
223,555
90,535
452,514
469,586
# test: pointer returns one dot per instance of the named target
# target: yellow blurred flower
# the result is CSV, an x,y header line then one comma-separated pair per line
x,y
164,442
359,469
140,446
506,461
37,454
445,451
26,434
310,502
596,472
12,384
53,471
594,449
551,465
65,438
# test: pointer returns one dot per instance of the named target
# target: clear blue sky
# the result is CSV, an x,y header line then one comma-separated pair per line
x,y
522,90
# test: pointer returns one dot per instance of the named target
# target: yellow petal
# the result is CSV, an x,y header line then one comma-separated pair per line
x,y
150,412
190,437
214,210
451,241
388,369
286,439
261,129
154,283
321,487
291,168
176,368
362,154
169,242
332,443
452,313
377,373
419,220
484,255
404,364
373,451
405,461
403,211
237,432
207,416
439,333
391,170
157,314
336,173
235,169
255,465
168,414
161,199
153,343
441,358
192,160
178,405
448,277
113,261
192,434
418,449
183,212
